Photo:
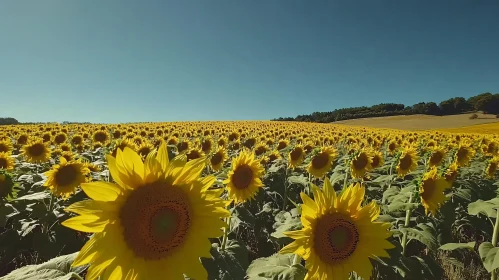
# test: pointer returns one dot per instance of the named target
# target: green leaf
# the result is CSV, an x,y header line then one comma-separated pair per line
x,y
276,267
424,233
489,255
401,206
299,180
55,269
484,207
6,211
35,196
455,246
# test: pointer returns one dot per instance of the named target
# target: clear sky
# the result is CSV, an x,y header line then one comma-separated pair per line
x,y
123,61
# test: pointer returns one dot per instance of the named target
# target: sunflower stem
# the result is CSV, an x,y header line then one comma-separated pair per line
x,y
494,242
296,259
406,225
226,233
346,179
285,198
76,276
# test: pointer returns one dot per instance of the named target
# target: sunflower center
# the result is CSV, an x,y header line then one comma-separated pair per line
x,y
242,177
320,161
492,167
336,238
66,175
405,162
296,154
436,158
429,186
216,159
100,137
375,161
361,161
462,153
37,149
156,219
3,163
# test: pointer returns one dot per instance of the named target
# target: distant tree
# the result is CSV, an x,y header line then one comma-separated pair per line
x,y
7,121
475,101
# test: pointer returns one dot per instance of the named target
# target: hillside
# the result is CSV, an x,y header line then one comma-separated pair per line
x,y
423,122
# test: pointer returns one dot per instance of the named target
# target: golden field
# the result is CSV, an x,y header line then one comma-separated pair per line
x,y
250,200
451,123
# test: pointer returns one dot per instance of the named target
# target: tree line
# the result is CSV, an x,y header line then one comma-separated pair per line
x,y
486,102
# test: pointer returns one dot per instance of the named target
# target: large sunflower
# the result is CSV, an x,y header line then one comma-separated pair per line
x,y
6,185
432,190
490,170
6,162
154,223
339,236
6,146
437,155
464,154
322,162
296,156
36,151
408,162
65,177
218,159
243,180
360,164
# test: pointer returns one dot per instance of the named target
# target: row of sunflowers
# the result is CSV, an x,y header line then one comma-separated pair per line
x,y
246,200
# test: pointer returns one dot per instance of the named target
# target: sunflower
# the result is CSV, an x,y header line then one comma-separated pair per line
x,y
437,155
6,162
432,191
100,136
183,145
273,156
296,156
207,145
243,180
36,151
490,170
360,164
65,177
121,145
339,236
6,146
22,139
261,149
144,149
65,147
218,159
92,167
77,139
156,221
194,153
69,156
283,144
408,162
377,159
322,162
60,138
464,154
6,185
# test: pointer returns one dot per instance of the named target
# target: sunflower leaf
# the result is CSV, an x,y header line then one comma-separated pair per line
x,y
489,255
55,269
455,246
276,267
484,207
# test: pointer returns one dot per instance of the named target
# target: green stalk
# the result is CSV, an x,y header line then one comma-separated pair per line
x,y
285,198
226,233
296,259
383,200
494,242
346,178
406,225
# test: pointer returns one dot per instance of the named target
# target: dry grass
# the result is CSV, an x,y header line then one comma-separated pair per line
x,y
425,122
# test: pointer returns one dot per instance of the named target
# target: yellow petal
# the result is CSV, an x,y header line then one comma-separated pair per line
x,y
102,191
93,207
86,223
162,156
114,171
88,251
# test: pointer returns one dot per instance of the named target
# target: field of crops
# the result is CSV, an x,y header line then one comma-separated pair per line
x,y
246,200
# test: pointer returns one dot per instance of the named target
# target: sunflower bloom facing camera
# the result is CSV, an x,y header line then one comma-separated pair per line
x,y
36,151
153,223
243,180
322,162
64,178
408,162
339,236
360,164
6,162
432,191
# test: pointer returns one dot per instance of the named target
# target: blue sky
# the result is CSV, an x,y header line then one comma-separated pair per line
x,y
122,61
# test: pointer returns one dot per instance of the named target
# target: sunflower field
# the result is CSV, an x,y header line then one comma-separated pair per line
x,y
246,200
